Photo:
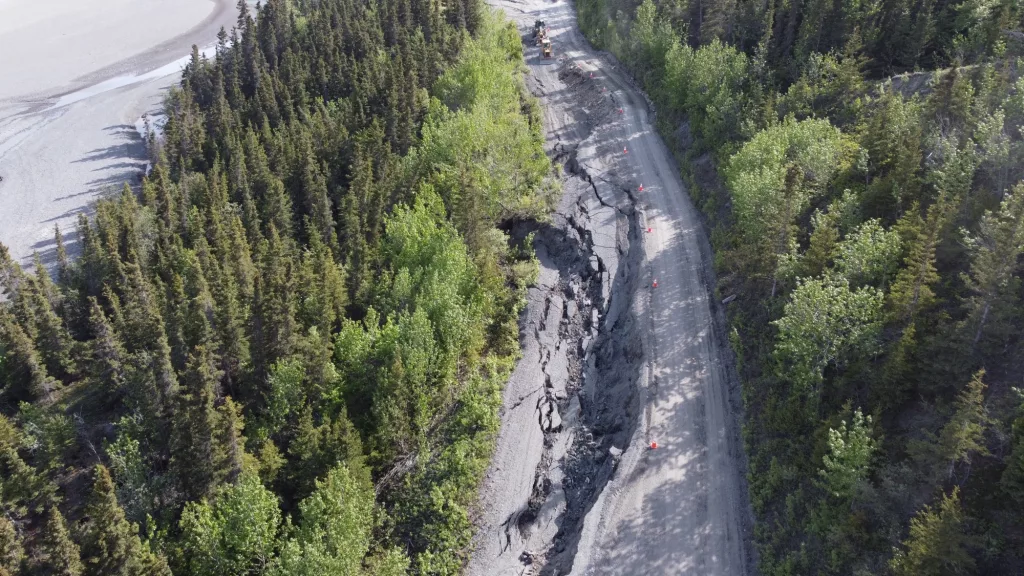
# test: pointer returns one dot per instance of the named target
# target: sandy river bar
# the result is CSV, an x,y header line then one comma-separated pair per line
x,y
100,55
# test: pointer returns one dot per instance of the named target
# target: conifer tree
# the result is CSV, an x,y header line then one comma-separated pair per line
x,y
318,448
52,340
821,246
912,290
273,314
108,355
192,448
964,434
26,374
937,545
59,556
21,487
11,275
11,550
1012,480
318,204
110,544
229,447
992,280
63,263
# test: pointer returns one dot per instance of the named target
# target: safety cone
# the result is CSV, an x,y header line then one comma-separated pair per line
x,y
654,445
655,285
624,151
641,189
649,230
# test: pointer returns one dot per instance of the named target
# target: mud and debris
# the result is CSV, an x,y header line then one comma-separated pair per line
x,y
569,488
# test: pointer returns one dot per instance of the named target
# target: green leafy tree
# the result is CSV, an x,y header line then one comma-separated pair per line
x,y
938,544
850,451
130,471
707,85
234,533
773,179
870,254
335,533
826,323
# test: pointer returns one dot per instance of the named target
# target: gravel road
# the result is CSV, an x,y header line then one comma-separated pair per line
x,y
56,159
611,362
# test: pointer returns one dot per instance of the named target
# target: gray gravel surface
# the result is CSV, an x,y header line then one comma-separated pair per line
x,y
610,362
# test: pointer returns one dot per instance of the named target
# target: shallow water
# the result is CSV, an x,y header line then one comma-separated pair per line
x,y
127,80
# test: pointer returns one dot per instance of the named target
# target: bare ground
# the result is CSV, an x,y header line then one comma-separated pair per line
x,y
612,363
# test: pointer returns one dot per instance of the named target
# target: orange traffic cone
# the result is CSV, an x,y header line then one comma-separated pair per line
x,y
654,445
655,285
624,151
641,189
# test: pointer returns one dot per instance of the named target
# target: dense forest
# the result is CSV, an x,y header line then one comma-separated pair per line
x,y
284,353
870,227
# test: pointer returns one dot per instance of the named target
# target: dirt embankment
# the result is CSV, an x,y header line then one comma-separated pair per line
x,y
622,348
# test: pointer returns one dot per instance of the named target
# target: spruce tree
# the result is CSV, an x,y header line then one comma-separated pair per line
x,y
63,262
937,545
992,281
11,275
26,373
108,355
59,555
53,340
110,544
11,550
229,448
964,435
912,290
192,446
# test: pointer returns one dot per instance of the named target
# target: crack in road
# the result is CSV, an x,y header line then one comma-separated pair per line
x,y
616,362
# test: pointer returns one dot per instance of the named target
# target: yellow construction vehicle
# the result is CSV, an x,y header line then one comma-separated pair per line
x,y
546,48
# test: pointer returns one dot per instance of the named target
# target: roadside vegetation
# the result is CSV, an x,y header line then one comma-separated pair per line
x,y
860,167
285,355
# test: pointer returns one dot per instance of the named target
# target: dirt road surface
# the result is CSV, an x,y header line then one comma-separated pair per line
x,y
70,105
611,362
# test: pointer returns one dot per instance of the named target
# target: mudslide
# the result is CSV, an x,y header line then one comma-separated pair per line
x,y
623,350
